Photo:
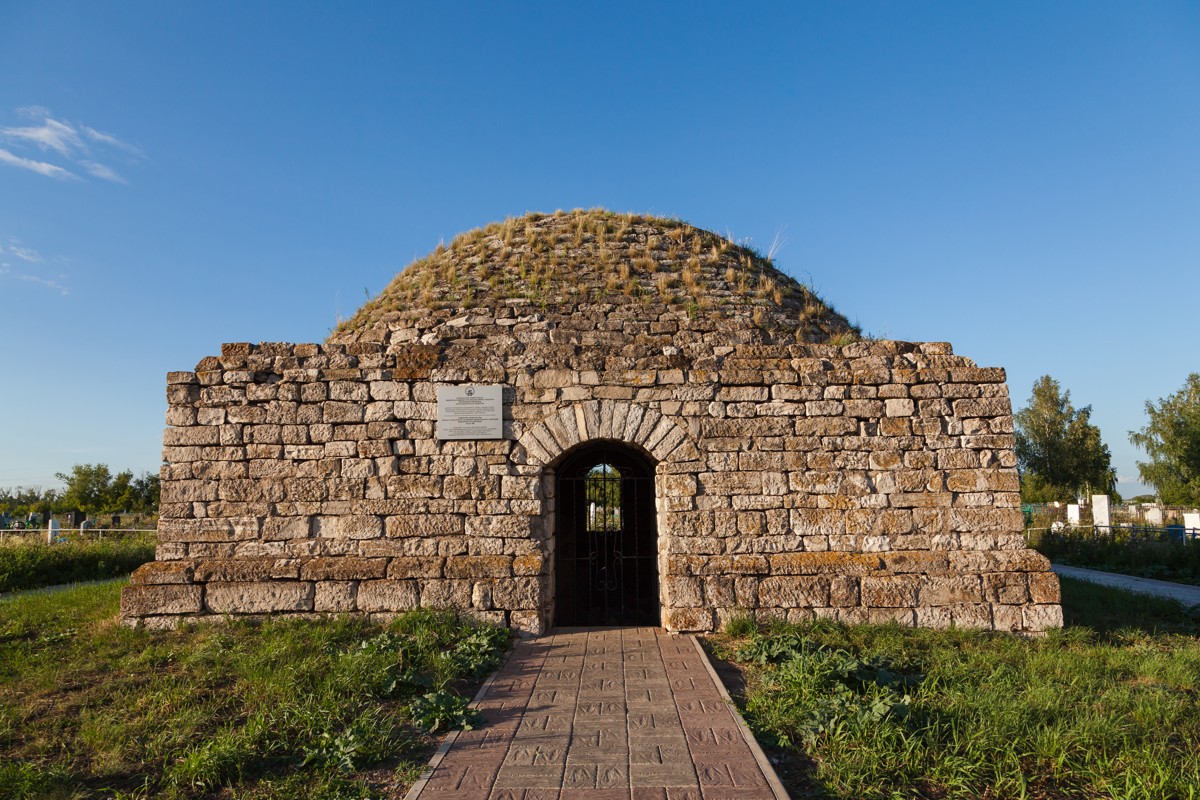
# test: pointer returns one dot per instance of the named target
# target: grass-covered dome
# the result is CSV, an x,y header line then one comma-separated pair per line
x,y
568,264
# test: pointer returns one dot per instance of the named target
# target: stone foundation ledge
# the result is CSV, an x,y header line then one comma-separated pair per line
x,y
1029,619
170,622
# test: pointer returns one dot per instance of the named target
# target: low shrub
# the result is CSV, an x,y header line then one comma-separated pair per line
x,y
1144,552
26,564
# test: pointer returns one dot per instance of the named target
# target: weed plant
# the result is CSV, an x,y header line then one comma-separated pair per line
x,y
32,564
306,709
1107,707
1144,552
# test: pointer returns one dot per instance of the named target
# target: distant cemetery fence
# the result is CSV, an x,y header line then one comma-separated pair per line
x,y
1143,540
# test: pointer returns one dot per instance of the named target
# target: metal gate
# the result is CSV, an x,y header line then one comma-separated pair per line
x,y
606,543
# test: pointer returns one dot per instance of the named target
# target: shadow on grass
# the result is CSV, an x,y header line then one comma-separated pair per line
x,y
1108,610
795,768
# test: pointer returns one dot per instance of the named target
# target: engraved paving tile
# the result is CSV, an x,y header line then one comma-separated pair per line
x,y
509,793
666,793
611,714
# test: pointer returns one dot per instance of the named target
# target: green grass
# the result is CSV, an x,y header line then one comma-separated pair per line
x,y
1146,554
1107,707
34,564
306,709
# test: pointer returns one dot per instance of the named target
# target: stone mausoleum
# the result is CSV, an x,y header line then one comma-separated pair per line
x,y
590,418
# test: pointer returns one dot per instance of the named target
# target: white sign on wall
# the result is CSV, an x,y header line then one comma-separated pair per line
x,y
470,412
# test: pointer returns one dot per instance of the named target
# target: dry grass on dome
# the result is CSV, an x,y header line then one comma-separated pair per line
x,y
562,262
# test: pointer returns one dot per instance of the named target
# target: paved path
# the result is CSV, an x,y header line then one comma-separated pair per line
x,y
1187,595
603,714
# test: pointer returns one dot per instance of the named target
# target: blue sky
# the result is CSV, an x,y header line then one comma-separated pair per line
x,y
1020,179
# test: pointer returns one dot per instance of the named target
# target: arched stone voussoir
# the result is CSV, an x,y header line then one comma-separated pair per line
x,y
662,437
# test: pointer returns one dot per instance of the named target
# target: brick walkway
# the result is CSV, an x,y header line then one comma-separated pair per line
x,y
600,714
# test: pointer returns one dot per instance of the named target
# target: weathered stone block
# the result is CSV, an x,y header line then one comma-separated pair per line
x,y
986,407
527,623
971,615
810,521
141,601
481,566
162,572
893,591
519,593
792,592
402,567
690,620
258,597
934,617
343,568
518,526
944,591
825,563
283,528
336,596
207,530
529,564
335,412
234,569
387,595
883,616
348,527
684,592
910,561
452,594
1044,588
1007,618
407,525
843,591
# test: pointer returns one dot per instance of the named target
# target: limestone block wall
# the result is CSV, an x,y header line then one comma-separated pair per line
x,y
869,482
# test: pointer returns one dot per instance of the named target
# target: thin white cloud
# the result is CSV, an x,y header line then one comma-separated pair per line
x,y
78,149
100,171
40,167
50,135
49,283
23,253
13,247
109,139
33,112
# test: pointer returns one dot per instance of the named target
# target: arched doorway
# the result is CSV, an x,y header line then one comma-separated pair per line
x,y
606,543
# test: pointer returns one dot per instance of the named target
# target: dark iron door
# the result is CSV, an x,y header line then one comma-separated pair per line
x,y
606,545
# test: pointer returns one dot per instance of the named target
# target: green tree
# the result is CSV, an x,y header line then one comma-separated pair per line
x,y
1059,451
18,502
89,487
146,491
1172,440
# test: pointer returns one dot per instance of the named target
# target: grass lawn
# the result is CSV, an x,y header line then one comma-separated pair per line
x,y
1108,707
321,709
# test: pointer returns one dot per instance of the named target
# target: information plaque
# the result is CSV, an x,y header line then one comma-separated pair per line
x,y
470,412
